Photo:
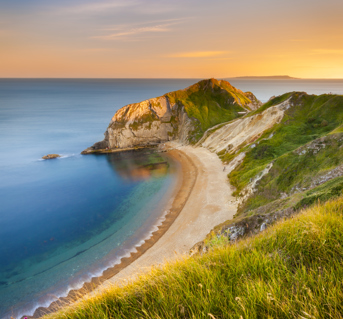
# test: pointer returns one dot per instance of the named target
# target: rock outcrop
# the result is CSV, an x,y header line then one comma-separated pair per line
x,y
149,122
182,115
51,156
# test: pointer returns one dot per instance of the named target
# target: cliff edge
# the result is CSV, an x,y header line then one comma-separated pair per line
x,y
182,115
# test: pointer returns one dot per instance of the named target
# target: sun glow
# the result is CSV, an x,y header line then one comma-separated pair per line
x,y
132,39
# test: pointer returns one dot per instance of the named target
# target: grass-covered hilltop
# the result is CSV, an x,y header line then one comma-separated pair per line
x,y
182,115
281,256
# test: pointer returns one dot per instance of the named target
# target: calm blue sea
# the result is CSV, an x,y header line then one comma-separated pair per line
x,y
64,221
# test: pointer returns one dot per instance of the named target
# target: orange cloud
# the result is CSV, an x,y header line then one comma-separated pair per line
x,y
125,31
96,7
198,54
133,32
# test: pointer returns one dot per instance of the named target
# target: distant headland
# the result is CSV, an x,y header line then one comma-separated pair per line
x,y
272,77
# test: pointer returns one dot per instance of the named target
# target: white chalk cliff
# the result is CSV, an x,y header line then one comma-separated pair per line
x,y
181,115
245,130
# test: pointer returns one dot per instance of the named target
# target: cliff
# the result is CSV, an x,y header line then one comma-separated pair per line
x,y
283,157
182,115
242,131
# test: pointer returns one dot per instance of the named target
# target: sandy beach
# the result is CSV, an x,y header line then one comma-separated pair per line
x,y
208,205
201,201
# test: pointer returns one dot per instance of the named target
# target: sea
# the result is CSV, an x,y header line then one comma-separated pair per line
x,y
66,220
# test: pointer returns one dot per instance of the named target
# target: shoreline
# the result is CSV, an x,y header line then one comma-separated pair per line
x,y
89,150
209,204
186,180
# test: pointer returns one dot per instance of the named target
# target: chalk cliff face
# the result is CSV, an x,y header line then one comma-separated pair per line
x,y
244,131
149,122
182,115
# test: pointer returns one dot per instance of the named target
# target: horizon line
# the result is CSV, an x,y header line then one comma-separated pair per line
x,y
164,78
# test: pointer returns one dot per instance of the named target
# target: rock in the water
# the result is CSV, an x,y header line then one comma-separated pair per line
x,y
51,156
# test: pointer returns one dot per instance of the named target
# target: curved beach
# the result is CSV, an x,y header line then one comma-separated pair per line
x,y
209,204
201,201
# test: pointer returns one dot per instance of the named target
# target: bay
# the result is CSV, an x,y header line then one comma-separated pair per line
x,y
64,221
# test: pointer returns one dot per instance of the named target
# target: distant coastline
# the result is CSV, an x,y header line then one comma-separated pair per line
x,y
272,77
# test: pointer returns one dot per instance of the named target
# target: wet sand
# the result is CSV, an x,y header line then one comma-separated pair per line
x,y
201,201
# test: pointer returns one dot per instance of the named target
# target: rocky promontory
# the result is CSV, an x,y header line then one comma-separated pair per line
x,y
182,115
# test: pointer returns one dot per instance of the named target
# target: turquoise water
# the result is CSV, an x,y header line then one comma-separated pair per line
x,y
63,221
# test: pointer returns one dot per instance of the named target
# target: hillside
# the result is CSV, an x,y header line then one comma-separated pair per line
x,y
284,156
292,270
182,115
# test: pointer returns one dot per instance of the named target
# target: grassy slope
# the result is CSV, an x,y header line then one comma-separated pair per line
x,y
311,117
292,270
210,102
274,101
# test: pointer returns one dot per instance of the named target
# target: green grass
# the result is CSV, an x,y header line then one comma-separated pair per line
x,y
332,188
338,130
146,118
209,103
309,118
292,270
274,101
296,170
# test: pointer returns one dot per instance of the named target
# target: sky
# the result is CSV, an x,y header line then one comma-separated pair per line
x,y
171,39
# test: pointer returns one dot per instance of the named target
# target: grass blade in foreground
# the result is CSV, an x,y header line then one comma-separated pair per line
x,y
292,270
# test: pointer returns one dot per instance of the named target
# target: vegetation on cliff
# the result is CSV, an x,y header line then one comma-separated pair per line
x,y
184,114
211,102
300,149
292,270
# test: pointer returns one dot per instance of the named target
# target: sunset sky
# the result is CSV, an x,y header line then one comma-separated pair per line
x,y
165,39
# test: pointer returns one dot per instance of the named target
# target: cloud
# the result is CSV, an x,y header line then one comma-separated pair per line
x,y
118,27
198,54
132,32
99,6
327,51
123,32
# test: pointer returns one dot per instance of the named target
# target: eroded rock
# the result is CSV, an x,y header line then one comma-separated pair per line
x,y
51,156
181,115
